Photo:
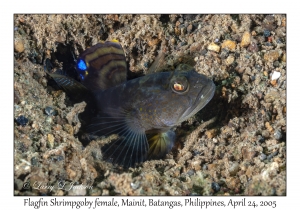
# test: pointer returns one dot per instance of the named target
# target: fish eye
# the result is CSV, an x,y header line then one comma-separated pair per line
x,y
179,84
178,87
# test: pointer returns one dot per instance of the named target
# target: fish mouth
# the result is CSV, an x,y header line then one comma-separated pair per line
x,y
204,96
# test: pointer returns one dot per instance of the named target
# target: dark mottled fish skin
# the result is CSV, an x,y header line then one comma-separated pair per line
x,y
142,111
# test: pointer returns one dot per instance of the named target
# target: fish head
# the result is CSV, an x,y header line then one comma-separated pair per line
x,y
200,92
189,92
164,100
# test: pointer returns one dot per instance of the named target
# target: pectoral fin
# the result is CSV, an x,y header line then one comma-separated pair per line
x,y
160,144
128,150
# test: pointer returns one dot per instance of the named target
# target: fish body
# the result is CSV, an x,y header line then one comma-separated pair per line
x,y
142,111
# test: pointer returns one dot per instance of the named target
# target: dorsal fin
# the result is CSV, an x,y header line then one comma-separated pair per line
x,y
102,66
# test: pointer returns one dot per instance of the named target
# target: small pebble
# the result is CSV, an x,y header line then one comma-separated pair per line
x,y
271,56
191,40
50,111
189,28
211,167
177,31
50,139
267,33
269,127
233,169
215,140
224,54
60,158
135,186
215,186
196,152
17,108
246,39
265,134
229,60
283,58
278,41
258,67
68,128
245,78
272,155
270,40
95,191
18,184
253,47
275,75
49,120
21,120
191,172
213,47
259,94
203,52
277,135
173,41
153,42
260,139
252,78
105,192
276,64
59,192
230,45
262,156
77,190
268,22
183,43
19,45
34,161
268,44
211,133
275,153
274,82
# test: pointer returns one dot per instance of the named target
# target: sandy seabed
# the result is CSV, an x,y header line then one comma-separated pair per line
x,y
236,145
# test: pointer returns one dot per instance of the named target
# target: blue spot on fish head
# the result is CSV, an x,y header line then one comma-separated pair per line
x,y
81,65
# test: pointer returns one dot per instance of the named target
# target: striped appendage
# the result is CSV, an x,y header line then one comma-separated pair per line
x,y
106,66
